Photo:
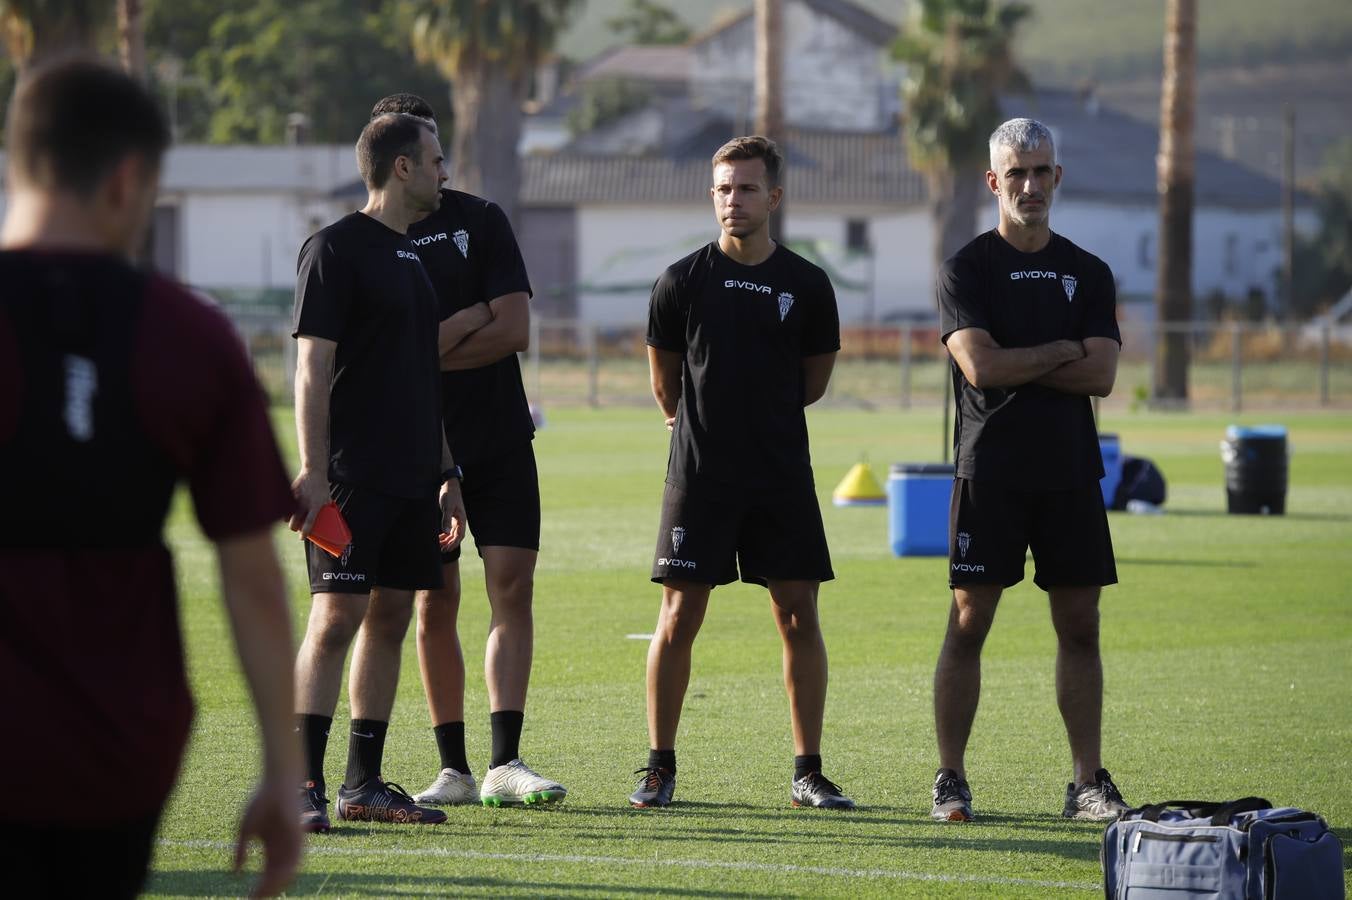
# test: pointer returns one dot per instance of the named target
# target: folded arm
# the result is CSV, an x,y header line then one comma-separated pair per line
x,y
1092,376
985,364
816,376
507,331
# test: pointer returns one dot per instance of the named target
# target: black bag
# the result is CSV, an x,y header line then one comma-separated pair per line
x,y
1141,480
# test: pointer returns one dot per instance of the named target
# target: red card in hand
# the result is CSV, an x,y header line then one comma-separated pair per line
x,y
330,532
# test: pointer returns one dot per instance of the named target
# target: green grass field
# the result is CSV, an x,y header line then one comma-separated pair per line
x,y
1226,647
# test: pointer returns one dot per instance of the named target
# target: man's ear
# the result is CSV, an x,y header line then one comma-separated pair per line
x,y
776,196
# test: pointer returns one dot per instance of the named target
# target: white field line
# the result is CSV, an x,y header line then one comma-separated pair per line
x,y
774,868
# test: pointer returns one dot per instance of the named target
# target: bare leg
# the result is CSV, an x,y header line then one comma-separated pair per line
x,y
795,608
375,659
1079,675
509,573
678,622
334,619
440,659
957,677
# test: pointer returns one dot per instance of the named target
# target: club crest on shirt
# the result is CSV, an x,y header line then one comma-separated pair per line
x,y
677,536
461,239
1068,282
785,303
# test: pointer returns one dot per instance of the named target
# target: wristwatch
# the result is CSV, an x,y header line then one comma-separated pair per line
x,y
453,472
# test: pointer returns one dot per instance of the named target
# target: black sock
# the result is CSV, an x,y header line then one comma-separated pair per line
x,y
314,737
365,750
451,745
662,759
806,764
506,736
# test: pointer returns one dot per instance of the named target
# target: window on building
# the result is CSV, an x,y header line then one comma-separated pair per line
x,y
1145,250
856,236
1231,254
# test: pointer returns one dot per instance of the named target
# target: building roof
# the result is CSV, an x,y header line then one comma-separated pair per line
x,y
851,15
311,168
1107,153
662,62
822,167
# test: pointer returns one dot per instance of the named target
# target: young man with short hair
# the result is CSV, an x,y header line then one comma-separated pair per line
x,y
742,335
475,265
368,417
115,385
1028,319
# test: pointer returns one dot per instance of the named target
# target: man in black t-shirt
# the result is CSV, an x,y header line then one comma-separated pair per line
x,y
742,335
1029,322
116,385
368,414
475,265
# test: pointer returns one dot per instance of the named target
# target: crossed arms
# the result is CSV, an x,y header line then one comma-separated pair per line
x,y
1087,367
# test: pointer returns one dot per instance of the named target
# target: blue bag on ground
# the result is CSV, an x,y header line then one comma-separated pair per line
x,y
1243,849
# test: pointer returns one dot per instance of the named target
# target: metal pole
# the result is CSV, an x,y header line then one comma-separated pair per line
x,y
1288,212
1236,367
906,366
593,368
944,436
1324,363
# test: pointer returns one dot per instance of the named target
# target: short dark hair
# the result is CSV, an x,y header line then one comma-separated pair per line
x,y
754,146
72,120
386,138
404,103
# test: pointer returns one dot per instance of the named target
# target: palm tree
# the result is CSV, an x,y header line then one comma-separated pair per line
x,y
33,29
488,50
959,60
770,84
131,37
1174,164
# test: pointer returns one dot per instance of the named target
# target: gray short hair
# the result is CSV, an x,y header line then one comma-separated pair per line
x,y
1021,134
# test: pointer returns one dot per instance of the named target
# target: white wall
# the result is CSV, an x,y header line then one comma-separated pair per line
x,y
1233,249
246,240
622,249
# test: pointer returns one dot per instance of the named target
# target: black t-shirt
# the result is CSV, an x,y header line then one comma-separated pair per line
x,y
744,331
472,257
362,284
1027,436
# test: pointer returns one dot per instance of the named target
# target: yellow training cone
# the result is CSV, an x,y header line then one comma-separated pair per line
x,y
859,488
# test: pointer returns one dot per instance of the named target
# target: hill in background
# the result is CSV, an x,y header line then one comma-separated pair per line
x,y
1068,41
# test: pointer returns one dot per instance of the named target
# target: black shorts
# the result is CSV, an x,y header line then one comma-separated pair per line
x,y
707,531
502,502
394,545
991,528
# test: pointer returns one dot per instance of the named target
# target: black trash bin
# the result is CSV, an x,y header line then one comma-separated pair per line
x,y
1255,469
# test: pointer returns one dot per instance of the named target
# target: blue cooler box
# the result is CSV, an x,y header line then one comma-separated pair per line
x,y
917,508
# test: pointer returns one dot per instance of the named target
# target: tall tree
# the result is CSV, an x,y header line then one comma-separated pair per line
x,y
648,22
328,60
1174,175
488,50
770,86
131,37
959,60
33,29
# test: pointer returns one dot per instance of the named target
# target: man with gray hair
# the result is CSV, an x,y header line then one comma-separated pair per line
x,y
1029,322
